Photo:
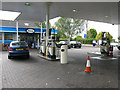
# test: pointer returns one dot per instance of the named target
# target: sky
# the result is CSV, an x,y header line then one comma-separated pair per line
x,y
52,21
99,26
104,27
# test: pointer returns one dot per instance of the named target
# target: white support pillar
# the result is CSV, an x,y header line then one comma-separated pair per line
x,y
47,22
34,41
38,42
118,34
3,38
41,32
17,30
86,26
118,30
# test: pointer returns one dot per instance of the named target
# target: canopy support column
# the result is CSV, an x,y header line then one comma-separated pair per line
x,y
3,34
47,22
17,30
41,32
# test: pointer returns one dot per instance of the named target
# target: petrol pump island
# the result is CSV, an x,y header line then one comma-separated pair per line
x,y
106,50
51,50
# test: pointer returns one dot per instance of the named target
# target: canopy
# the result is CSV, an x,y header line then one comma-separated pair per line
x,y
96,11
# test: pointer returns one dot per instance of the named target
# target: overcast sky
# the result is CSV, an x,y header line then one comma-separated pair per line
x,y
99,26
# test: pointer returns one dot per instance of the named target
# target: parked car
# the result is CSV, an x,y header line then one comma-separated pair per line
x,y
18,48
75,44
119,45
64,43
114,44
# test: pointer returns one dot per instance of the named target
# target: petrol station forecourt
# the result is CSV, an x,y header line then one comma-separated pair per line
x,y
52,67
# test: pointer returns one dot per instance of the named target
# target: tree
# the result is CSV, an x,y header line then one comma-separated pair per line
x,y
119,38
68,27
78,37
99,36
43,24
92,33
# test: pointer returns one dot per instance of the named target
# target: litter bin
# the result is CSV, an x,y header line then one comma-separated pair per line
x,y
94,43
64,54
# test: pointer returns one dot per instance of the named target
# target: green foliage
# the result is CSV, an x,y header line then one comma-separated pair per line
x,y
63,39
119,38
91,33
99,36
77,38
68,27
73,39
87,41
113,41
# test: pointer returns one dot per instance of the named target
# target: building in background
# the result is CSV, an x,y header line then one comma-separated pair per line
x,y
30,33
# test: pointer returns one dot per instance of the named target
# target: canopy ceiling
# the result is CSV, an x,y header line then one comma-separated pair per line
x,y
95,11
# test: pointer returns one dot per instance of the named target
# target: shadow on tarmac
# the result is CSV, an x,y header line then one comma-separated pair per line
x,y
31,59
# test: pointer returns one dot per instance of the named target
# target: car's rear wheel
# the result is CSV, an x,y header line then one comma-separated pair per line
x,y
119,47
9,57
28,56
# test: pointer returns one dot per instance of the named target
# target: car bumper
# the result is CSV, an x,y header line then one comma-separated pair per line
x,y
76,46
18,54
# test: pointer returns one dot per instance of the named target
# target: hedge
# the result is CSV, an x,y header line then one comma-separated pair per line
x,y
87,41
63,39
84,41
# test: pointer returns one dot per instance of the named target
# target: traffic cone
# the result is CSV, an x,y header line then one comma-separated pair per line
x,y
88,67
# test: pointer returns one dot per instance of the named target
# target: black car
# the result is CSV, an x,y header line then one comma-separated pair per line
x,y
118,46
75,44
64,43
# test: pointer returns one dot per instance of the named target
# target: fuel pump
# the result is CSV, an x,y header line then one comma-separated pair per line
x,y
42,46
52,50
106,49
51,45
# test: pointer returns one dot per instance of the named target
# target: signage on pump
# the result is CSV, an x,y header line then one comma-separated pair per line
x,y
30,31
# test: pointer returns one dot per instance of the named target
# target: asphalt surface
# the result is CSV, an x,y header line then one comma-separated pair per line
x,y
0,70
36,72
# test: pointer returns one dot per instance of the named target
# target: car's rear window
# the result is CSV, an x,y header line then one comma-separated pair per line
x,y
19,44
78,42
67,42
62,42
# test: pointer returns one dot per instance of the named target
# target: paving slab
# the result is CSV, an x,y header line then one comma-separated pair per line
x,y
37,72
